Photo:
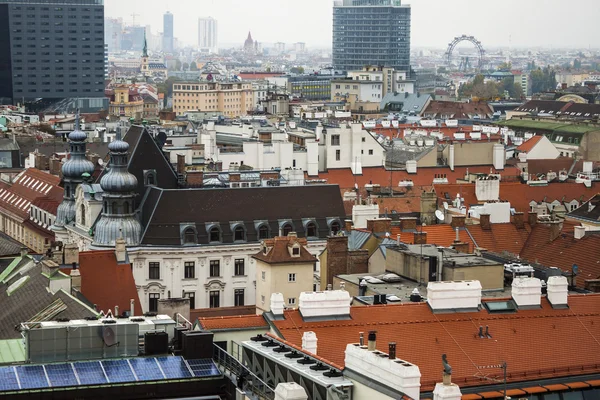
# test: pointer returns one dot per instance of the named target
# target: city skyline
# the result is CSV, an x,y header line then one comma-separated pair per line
x,y
435,22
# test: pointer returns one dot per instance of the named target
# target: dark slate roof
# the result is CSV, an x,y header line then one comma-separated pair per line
x,y
165,212
9,246
8,145
31,298
146,155
589,211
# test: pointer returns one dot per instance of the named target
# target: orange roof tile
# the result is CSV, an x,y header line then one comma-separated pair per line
x,y
500,237
28,186
279,251
530,144
106,283
233,322
515,339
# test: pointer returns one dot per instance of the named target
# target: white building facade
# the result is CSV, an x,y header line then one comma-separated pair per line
x,y
208,35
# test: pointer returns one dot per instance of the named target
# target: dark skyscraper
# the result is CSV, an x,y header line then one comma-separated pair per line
x,y
53,50
371,32
168,32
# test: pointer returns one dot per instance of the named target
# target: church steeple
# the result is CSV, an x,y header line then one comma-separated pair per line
x,y
145,51
118,218
73,171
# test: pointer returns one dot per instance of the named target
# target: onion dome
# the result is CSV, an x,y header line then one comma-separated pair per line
x,y
118,182
118,146
77,135
76,167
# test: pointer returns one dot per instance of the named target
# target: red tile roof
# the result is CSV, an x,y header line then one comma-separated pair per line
x,y
221,312
500,237
564,251
28,186
234,322
519,339
530,144
279,251
424,176
106,283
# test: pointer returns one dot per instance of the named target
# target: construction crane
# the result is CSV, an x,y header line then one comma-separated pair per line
x,y
133,17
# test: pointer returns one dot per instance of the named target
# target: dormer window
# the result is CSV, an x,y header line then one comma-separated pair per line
x,y
189,236
311,229
215,234
296,251
239,234
335,227
287,229
263,232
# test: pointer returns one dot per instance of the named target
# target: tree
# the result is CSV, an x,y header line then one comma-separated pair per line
x,y
505,66
177,65
186,66
297,70
577,64
193,66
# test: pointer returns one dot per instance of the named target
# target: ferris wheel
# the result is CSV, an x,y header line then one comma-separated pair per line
x,y
465,62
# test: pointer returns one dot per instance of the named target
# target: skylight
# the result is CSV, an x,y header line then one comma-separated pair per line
x,y
500,307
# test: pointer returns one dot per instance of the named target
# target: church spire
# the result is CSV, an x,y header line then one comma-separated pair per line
x,y
145,52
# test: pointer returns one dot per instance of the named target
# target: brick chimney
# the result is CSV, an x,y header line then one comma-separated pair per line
x,y
484,221
532,219
461,247
195,178
458,221
348,225
555,229
519,220
71,254
380,225
408,223
234,177
420,237
180,164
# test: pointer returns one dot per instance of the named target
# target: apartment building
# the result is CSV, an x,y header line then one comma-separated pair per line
x,y
230,98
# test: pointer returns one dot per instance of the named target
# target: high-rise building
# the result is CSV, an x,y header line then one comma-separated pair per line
x,y
208,34
53,50
371,32
168,42
113,33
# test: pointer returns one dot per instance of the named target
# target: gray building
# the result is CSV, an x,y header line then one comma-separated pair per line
x,y
168,32
371,32
52,54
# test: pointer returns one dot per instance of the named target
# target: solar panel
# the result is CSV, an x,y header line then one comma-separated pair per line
x,y
118,371
32,377
203,368
90,373
61,375
174,367
8,379
146,369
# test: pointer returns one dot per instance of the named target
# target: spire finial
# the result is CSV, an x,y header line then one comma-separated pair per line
x,y
77,123
145,53
118,135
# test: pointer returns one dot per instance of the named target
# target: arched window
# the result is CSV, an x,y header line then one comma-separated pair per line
x,y
83,214
335,227
239,234
126,208
287,229
115,207
215,234
311,229
106,207
263,232
68,191
189,236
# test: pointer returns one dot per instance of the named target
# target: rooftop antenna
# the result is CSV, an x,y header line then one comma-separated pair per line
x,y
77,123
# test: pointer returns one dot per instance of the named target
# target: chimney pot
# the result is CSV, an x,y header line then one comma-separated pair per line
x,y
116,311
532,218
362,338
481,332
392,352
372,344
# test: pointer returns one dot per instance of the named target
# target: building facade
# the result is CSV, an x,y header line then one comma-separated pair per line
x,y
53,50
208,32
168,38
230,98
371,32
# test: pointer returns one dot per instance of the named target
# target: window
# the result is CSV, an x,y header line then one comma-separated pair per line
x,y
214,299
215,268
215,234
287,229
292,301
239,234
296,251
335,140
263,275
338,155
291,277
192,297
154,269
335,227
239,269
311,229
189,270
82,214
238,297
153,302
364,140
263,232
189,236
370,152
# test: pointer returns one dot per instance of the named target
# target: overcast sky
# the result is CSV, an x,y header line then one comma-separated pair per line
x,y
525,23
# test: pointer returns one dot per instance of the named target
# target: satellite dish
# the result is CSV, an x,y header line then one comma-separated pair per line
x,y
439,215
445,206
101,162
109,337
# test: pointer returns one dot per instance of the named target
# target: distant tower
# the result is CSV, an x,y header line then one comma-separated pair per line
x,y
73,171
118,217
145,68
168,39
249,44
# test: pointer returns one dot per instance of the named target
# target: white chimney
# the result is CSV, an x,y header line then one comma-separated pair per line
x,y
451,157
131,308
526,291
498,156
392,372
411,166
120,250
277,303
290,391
446,392
579,232
455,296
309,342
332,303
558,291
